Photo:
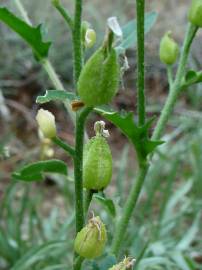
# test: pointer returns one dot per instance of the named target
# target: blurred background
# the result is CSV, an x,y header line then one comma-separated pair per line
x,y
166,231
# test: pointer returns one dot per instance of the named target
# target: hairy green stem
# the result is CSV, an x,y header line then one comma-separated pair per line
x,y
46,64
65,146
77,44
78,167
88,199
170,75
176,86
140,6
80,125
166,112
78,262
57,84
128,210
78,175
65,14
22,11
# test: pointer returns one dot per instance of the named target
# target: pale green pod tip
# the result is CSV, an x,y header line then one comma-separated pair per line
x,y
126,264
169,49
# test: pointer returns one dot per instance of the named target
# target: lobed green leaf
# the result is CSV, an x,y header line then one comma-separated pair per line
x,y
32,35
137,135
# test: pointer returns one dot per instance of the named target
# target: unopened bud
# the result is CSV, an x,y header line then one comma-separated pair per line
x,y
169,49
90,38
46,122
195,13
55,2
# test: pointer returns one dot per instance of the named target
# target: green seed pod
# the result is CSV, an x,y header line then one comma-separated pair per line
x,y
97,164
99,79
169,49
126,264
91,240
195,13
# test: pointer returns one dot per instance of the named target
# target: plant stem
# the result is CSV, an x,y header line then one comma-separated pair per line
x,y
77,46
170,75
128,210
78,263
65,14
46,63
88,199
23,11
176,86
78,167
80,124
57,84
166,112
140,6
70,150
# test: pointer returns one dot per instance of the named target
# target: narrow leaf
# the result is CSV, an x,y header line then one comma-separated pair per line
x,y
52,95
38,253
108,203
130,30
190,235
32,35
35,171
107,262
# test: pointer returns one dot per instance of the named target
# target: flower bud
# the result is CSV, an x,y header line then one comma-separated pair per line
x,y
195,13
91,240
99,79
90,38
169,49
56,2
97,162
126,264
46,122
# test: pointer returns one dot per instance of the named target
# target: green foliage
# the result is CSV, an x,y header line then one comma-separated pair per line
x,y
35,171
192,77
30,34
103,264
107,203
130,31
38,253
156,237
137,135
54,95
